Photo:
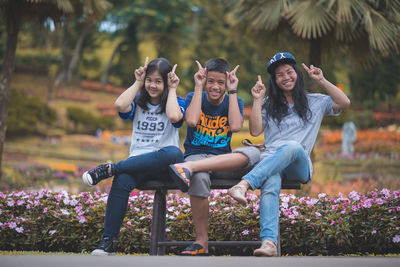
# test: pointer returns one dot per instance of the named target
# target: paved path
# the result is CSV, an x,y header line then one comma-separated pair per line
x,y
177,261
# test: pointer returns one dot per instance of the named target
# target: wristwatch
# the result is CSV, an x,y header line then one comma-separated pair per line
x,y
232,92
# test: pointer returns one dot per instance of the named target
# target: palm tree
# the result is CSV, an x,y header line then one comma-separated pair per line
x,y
363,29
16,12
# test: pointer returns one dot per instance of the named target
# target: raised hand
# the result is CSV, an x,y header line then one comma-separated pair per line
x,y
140,73
232,80
313,72
173,79
258,90
200,76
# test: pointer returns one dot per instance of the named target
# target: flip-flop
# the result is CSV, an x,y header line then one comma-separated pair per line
x,y
194,250
181,176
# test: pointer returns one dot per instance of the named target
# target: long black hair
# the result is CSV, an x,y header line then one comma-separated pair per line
x,y
276,105
163,66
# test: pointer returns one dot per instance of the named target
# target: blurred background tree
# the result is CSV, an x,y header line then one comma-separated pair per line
x,y
64,42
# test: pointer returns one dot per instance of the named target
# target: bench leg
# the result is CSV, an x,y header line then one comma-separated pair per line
x,y
158,223
279,240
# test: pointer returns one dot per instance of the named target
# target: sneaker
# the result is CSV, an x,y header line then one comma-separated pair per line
x,y
267,249
106,247
94,176
238,193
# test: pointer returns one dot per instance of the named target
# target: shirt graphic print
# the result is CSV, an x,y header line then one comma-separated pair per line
x,y
211,131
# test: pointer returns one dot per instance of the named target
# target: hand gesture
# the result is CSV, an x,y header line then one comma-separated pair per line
x,y
173,79
232,80
200,76
140,73
258,90
314,73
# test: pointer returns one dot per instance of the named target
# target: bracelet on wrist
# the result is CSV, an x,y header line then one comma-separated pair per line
x,y
232,92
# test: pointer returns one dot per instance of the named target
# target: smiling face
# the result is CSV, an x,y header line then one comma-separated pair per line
x,y
285,77
215,87
154,86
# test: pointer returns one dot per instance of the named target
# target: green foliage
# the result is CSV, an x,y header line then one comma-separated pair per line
x,y
60,221
88,120
39,61
26,113
378,83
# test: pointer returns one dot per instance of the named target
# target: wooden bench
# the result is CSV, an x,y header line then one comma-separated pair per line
x,y
157,238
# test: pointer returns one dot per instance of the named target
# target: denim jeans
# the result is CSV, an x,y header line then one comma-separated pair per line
x,y
290,161
129,173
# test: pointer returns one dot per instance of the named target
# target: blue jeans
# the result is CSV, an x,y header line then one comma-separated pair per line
x,y
290,161
129,173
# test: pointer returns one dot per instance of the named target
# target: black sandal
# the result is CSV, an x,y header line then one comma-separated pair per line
x,y
181,176
194,250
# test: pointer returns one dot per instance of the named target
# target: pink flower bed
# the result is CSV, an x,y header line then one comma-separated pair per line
x,y
326,225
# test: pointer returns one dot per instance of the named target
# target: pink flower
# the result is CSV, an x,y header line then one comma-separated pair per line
x,y
373,232
396,239
245,232
19,229
354,195
386,192
52,232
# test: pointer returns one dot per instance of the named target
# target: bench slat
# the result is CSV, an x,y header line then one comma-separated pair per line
x,y
215,184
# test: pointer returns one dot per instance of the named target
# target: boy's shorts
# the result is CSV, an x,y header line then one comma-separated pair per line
x,y
201,181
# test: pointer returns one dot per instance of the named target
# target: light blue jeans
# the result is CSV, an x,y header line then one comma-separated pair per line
x,y
290,161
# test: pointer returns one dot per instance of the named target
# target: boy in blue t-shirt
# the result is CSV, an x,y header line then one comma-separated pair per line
x,y
211,116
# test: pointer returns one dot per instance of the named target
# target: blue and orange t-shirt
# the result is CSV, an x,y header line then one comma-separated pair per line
x,y
212,134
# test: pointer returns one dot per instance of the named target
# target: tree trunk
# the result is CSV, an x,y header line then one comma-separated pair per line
x,y
62,75
106,72
12,14
315,52
314,59
77,50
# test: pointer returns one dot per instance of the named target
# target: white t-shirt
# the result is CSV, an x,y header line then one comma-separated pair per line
x,y
152,131
292,127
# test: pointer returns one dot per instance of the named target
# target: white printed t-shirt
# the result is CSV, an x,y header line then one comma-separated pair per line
x,y
152,131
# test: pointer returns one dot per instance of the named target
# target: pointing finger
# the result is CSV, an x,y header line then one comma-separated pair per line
x,y
173,69
146,62
199,65
259,78
235,69
305,67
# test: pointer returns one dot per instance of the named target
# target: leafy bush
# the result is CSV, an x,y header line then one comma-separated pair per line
x,y
88,120
25,113
60,221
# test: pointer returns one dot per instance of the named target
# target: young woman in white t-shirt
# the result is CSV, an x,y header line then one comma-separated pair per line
x,y
157,114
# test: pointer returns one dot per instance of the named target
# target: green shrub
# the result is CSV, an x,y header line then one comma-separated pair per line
x,y
60,221
89,122
25,113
